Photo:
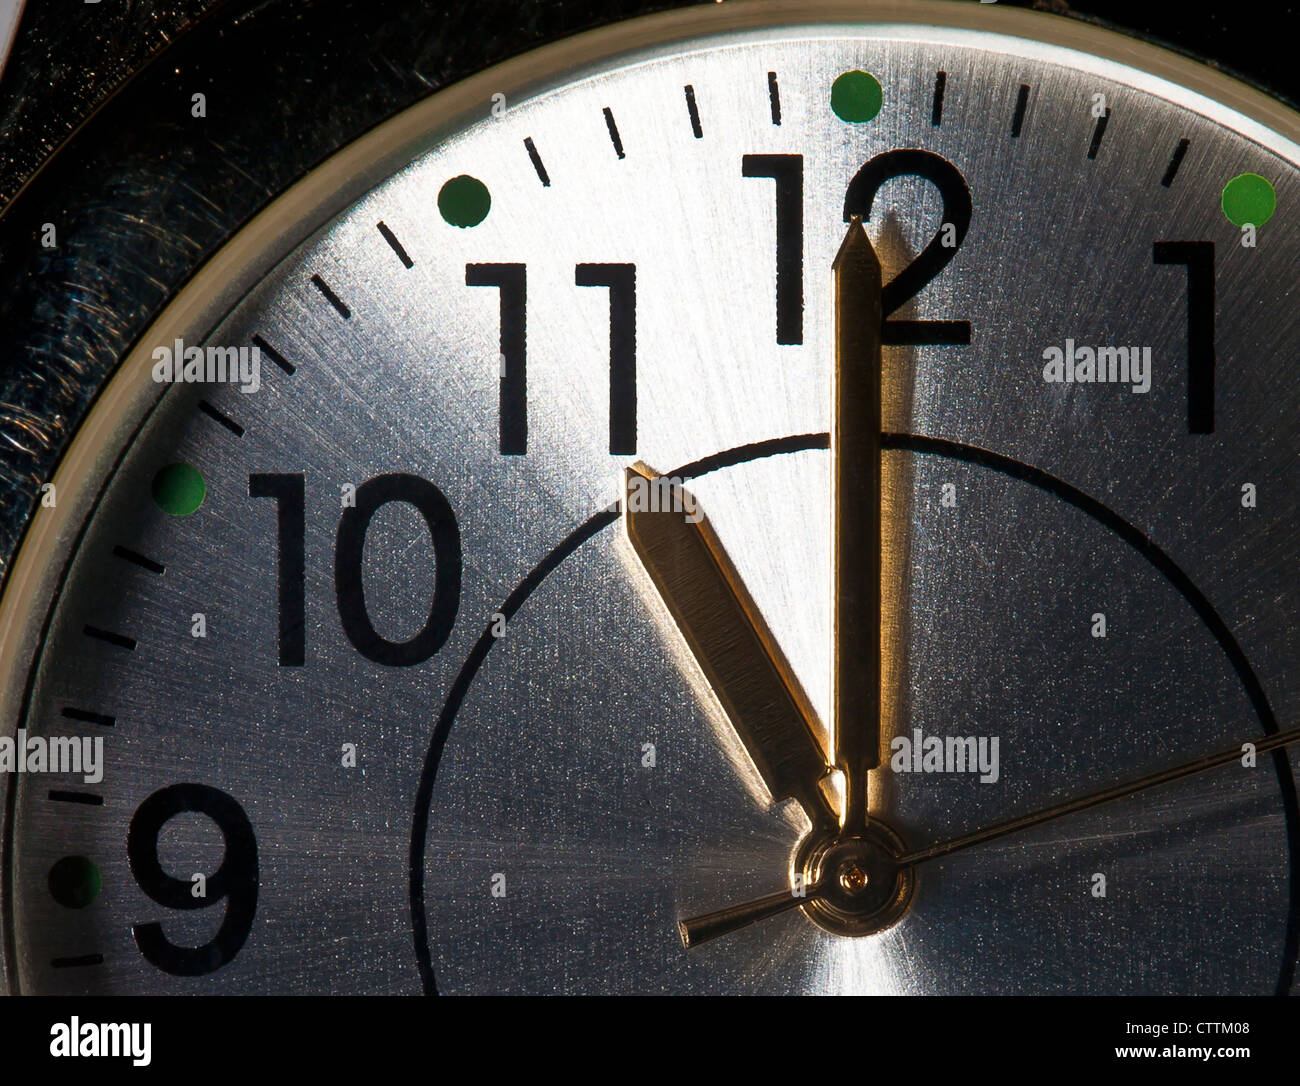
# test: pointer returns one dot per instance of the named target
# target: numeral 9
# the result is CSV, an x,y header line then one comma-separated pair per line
x,y
235,881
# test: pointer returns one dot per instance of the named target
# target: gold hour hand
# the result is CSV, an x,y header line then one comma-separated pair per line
x,y
727,637
855,504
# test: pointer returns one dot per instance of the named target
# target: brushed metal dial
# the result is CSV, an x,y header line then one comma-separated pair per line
x,y
544,796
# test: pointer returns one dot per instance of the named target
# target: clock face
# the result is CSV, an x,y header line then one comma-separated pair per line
x,y
379,687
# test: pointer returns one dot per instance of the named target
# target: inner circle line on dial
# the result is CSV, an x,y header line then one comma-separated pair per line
x,y
916,443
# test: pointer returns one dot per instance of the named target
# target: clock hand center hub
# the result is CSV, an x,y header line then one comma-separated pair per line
x,y
864,890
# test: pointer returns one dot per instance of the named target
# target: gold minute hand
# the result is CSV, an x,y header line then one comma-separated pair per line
x,y
728,638
855,503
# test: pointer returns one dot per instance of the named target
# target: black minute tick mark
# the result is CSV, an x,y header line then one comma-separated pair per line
x,y
1022,103
395,245
774,97
85,716
936,110
1098,132
221,417
536,160
331,297
1172,170
274,355
89,799
614,137
121,641
138,559
694,112
72,963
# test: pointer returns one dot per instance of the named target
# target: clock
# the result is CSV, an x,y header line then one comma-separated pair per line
x,y
769,497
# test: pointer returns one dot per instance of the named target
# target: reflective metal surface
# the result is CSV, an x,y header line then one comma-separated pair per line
x,y
532,746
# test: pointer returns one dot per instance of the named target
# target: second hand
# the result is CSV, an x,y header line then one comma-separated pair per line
x,y
696,930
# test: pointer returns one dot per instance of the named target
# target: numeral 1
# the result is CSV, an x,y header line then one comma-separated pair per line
x,y
288,491
512,280
787,172
1198,256
621,281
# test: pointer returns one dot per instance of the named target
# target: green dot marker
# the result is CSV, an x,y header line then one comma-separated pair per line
x,y
856,97
75,882
178,490
1249,198
464,201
